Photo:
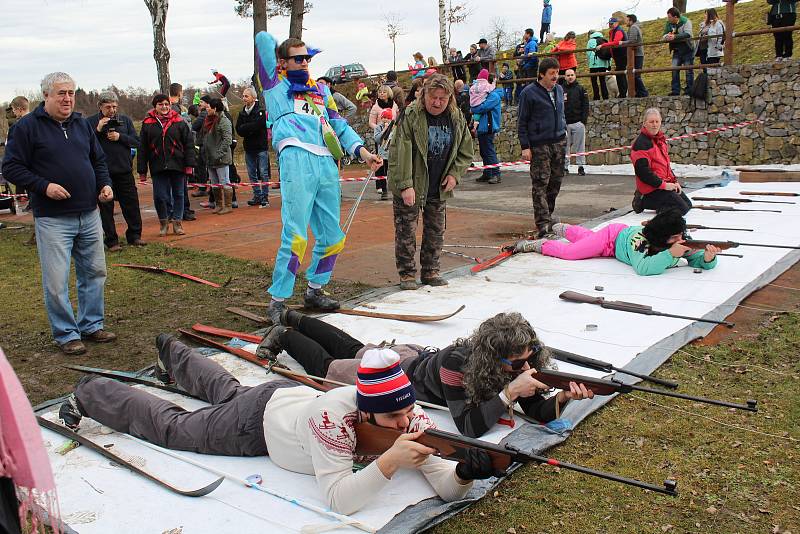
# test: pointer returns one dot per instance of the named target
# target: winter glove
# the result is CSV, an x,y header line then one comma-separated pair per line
x,y
477,465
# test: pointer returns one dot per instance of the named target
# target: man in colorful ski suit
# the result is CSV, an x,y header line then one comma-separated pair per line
x,y
310,189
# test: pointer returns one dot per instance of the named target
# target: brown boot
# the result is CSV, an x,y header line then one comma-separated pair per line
x,y
164,227
177,228
227,200
217,192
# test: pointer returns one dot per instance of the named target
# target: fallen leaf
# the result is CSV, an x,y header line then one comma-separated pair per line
x,y
711,510
511,530
665,528
764,511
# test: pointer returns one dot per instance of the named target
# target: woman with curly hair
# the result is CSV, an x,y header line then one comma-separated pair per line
x,y
478,378
650,249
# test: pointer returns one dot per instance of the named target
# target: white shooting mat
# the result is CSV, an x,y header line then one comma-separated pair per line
x,y
97,497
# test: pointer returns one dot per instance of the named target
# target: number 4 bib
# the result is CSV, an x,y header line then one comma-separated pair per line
x,y
303,106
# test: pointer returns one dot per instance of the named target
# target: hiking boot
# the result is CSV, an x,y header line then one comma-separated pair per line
x,y
270,346
318,299
496,179
100,336
636,203
483,178
275,310
581,172
72,348
177,227
70,413
433,280
255,201
164,227
291,318
115,248
560,229
528,245
409,283
159,369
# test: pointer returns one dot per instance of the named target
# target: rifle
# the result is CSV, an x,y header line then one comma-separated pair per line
x,y
737,200
631,307
599,365
373,440
728,208
701,227
769,193
600,386
699,244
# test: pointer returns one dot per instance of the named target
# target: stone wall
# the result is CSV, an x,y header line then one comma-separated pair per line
x,y
740,93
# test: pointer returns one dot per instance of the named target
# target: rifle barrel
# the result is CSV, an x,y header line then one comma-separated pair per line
x,y
689,318
728,208
701,227
737,200
769,246
599,365
751,405
669,488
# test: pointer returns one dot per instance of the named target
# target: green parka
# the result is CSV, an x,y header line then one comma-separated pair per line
x,y
408,153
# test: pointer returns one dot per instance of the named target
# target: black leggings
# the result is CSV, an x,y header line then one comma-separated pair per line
x,y
315,344
662,200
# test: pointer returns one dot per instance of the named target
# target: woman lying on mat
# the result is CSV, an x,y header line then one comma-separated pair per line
x,y
649,249
478,378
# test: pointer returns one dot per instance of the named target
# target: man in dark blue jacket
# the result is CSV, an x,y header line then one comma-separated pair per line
x,y
489,124
542,131
118,137
54,153
251,124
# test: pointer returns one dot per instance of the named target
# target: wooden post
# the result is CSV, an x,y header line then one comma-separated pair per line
x,y
729,30
631,53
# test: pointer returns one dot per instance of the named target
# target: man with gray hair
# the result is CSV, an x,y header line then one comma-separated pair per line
x,y
54,153
117,136
251,124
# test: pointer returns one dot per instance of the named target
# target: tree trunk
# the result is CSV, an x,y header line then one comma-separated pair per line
x,y
296,20
443,30
158,15
680,5
259,25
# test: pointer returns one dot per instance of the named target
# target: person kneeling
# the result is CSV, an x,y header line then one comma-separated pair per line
x,y
650,249
300,429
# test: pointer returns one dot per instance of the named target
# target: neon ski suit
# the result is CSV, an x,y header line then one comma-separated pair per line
x,y
310,187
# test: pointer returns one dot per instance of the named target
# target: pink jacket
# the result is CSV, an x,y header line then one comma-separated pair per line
x,y
375,114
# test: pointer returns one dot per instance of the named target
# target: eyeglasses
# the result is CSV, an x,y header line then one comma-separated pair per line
x,y
300,58
516,365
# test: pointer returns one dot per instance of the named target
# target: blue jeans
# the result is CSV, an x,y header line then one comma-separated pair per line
x,y
678,60
258,171
59,240
488,153
168,194
641,90
508,94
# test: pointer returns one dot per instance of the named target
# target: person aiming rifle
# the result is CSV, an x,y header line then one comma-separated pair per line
x,y
300,429
479,378
650,249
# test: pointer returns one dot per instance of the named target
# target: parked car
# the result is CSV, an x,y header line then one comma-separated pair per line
x,y
345,73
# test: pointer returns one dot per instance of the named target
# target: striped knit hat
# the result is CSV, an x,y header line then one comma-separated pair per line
x,y
382,385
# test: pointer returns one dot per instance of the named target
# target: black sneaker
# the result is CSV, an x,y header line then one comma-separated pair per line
x,y
496,179
275,310
270,346
317,299
163,341
581,172
69,412
254,202
483,178
636,203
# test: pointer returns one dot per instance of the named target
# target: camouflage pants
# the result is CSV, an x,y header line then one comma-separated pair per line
x,y
405,237
547,169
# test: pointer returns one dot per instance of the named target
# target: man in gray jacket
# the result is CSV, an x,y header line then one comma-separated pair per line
x,y
635,37
678,33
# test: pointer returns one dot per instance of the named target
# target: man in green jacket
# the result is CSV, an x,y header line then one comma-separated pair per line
x,y
431,150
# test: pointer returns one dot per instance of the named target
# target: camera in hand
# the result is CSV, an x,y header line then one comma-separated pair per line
x,y
112,125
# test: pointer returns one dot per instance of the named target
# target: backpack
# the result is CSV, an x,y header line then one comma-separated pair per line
x,y
602,53
700,91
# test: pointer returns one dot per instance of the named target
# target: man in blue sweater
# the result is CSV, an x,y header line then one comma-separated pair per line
x,y
542,129
54,153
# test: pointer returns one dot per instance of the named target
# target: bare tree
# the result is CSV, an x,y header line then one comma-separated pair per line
x,y
158,16
394,29
456,14
296,20
443,29
680,5
259,16
498,34
274,8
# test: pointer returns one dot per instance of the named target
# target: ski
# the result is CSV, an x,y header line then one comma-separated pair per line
x,y
160,270
134,378
491,262
349,311
70,434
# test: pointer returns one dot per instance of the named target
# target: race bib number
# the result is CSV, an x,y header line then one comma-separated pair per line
x,y
301,105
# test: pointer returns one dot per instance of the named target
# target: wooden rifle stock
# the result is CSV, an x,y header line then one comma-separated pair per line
x,y
737,200
632,307
600,386
372,440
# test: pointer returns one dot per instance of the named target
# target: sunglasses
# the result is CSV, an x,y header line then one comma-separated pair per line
x,y
300,58
516,365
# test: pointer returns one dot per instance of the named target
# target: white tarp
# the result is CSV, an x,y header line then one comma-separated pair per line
x,y
97,497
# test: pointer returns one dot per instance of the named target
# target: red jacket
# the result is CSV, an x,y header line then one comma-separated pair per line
x,y
566,61
650,158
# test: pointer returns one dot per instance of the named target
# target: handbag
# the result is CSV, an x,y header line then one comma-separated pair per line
x,y
329,136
